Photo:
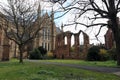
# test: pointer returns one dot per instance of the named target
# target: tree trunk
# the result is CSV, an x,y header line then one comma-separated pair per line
x,y
116,32
117,40
21,54
15,50
118,53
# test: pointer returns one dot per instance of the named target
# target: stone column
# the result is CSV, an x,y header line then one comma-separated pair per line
x,y
57,44
69,42
62,40
86,45
86,42
6,51
1,43
77,45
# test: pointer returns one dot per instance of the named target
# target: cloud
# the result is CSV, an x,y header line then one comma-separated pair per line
x,y
69,17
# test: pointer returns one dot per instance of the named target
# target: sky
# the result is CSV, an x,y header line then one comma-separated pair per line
x,y
90,31
68,18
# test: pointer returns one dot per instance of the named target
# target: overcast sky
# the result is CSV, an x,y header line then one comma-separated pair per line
x,y
68,18
90,31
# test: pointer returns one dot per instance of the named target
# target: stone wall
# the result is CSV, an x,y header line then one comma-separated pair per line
x,y
5,47
63,51
109,39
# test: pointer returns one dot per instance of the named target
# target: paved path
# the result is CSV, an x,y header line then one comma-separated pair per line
x,y
92,68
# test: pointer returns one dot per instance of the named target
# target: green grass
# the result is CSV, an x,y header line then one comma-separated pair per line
x,y
88,63
35,71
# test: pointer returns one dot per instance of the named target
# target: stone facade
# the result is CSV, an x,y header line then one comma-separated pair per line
x,y
4,46
46,36
63,51
109,39
7,49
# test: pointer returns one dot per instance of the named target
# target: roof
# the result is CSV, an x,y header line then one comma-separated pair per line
x,y
58,30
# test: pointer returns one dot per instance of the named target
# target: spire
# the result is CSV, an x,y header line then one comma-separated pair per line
x,y
39,11
52,15
62,27
52,30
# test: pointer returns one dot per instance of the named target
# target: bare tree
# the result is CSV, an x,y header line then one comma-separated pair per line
x,y
101,9
21,21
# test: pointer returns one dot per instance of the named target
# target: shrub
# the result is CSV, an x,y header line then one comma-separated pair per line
x,y
97,53
112,53
93,54
42,50
38,53
50,55
104,55
35,54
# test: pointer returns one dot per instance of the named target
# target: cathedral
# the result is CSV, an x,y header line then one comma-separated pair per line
x,y
45,38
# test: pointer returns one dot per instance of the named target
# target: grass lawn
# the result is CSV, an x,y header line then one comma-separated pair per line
x,y
88,63
35,71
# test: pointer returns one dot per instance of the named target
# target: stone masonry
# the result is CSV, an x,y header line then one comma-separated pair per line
x,y
63,51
